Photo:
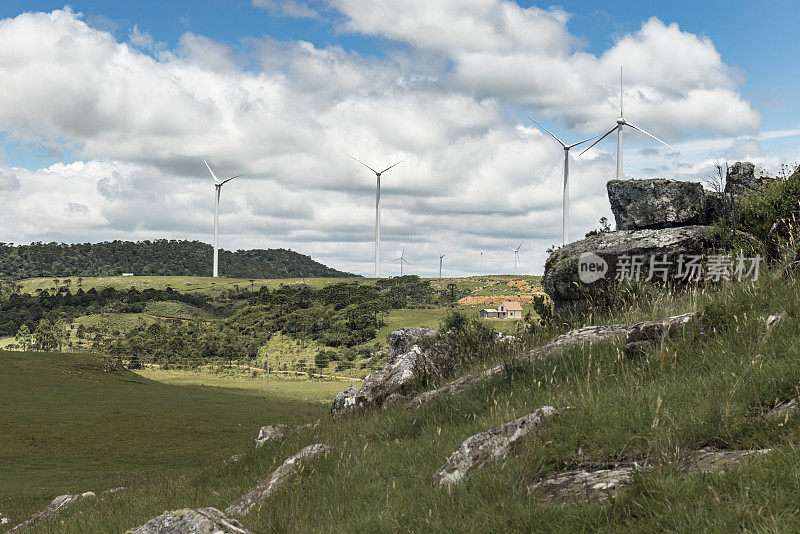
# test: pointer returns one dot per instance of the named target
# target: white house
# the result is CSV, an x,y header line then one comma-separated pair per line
x,y
509,310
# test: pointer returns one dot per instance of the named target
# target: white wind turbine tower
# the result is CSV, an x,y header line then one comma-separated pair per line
x,y
218,186
565,194
402,260
620,123
482,253
516,255
440,263
378,210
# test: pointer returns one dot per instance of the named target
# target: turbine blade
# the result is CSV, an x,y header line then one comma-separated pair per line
x,y
396,164
231,178
581,142
548,131
612,130
520,245
649,134
214,176
361,162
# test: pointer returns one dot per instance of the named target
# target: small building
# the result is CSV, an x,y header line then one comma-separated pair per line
x,y
509,310
488,313
127,274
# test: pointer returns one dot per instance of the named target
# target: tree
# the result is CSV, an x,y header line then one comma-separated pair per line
x,y
24,337
61,332
44,336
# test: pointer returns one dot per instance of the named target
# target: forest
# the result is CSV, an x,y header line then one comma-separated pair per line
x,y
153,258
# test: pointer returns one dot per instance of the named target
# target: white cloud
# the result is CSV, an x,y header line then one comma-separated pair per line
x,y
143,116
288,8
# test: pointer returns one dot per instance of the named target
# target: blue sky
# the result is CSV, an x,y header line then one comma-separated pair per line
x,y
115,104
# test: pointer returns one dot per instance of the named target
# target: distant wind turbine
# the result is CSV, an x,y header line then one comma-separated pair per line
x,y
218,186
482,262
565,194
516,255
618,128
378,210
440,263
402,260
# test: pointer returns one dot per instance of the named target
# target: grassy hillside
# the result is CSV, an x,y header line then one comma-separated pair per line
x,y
707,388
72,423
160,257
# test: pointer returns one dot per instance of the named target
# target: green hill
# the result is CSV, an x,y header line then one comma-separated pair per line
x,y
155,258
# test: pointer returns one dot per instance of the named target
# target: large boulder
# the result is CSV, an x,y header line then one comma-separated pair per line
x,y
579,272
489,446
203,521
659,203
270,433
743,177
403,340
288,470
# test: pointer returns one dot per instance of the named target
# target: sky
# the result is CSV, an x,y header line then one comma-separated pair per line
x,y
107,110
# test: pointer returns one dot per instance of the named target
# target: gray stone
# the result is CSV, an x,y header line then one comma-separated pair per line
x,y
743,177
270,433
57,504
289,469
4,520
489,446
642,336
659,203
203,521
378,386
562,280
600,483
573,338
403,340
783,410
777,319
714,206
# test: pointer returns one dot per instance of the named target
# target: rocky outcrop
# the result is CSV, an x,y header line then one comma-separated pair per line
x,y
784,409
599,259
57,504
489,446
644,335
203,521
660,203
403,340
573,338
270,433
391,381
743,177
289,469
600,483
4,520
714,206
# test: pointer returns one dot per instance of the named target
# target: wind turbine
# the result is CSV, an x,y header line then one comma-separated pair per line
x,y
565,194
482,262
378,210
402,260
440,263
218,186
516,255
620,123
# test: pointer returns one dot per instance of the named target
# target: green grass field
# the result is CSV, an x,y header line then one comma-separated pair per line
x,y
69,424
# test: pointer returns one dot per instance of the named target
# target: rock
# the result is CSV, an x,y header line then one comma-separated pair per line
x,y
403,340
289,469
783,410
642,336
583,484
113,490
203,521
660,203
236,458
489,446
777,319
60,502
597,484
743,177
573,338
270,433
4,520
378,386
599,257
